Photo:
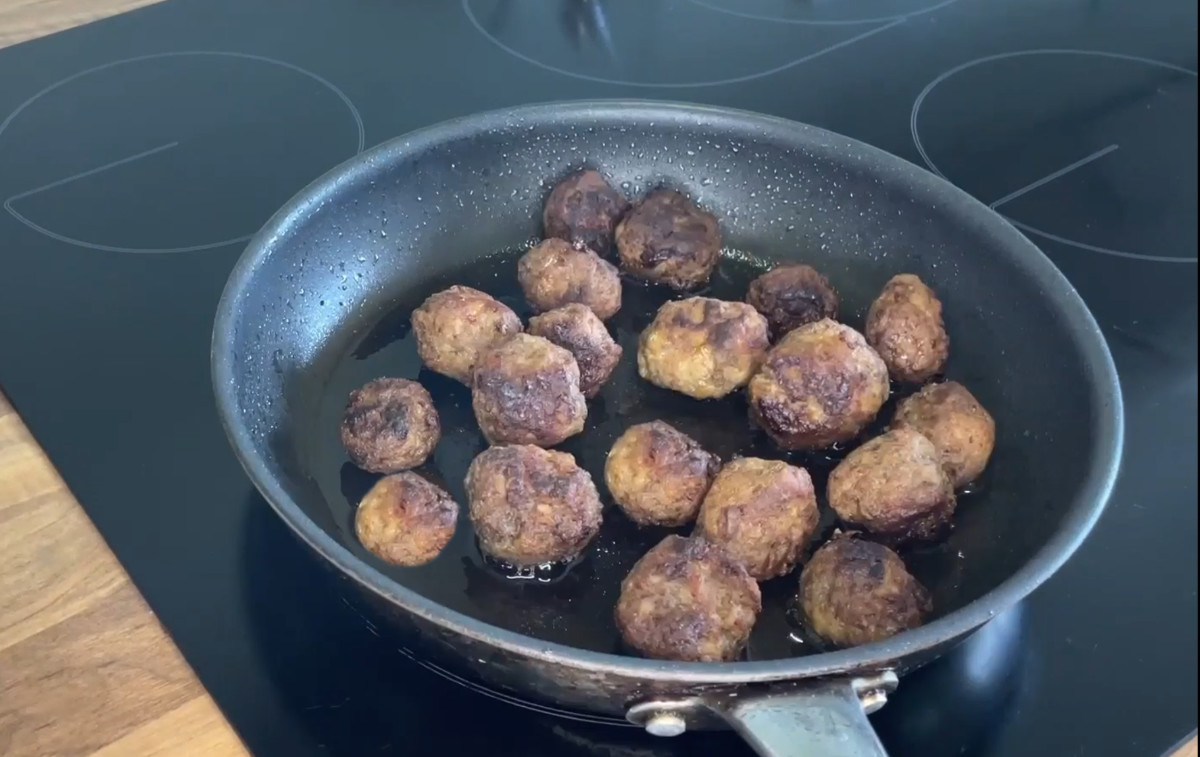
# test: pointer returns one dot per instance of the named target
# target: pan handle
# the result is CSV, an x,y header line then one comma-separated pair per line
x,y
826,718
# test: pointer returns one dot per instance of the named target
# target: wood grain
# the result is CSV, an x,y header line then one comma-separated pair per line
x,y
21,20
85,668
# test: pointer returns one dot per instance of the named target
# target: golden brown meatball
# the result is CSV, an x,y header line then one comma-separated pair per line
x,y
904,325
950,417
577,330
667,239
763,512
702,347
526,391
531,506
658,475
453,326
584,210
686,599
855,591
390,425
792,295
893,487
820,385
405,520
553,274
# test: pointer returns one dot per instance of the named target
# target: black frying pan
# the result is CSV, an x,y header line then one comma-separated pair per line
x,y
319,304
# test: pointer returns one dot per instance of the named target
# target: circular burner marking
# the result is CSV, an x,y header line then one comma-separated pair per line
x,y
161,148
1059,171
605,40
923,7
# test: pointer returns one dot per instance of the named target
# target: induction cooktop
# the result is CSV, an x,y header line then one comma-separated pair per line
x,y
138,154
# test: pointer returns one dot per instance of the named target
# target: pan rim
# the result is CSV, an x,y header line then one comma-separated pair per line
x,y
1089,502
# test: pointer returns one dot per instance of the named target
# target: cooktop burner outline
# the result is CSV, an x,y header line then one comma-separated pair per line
x,y
470,14
933,6
1052,176
8,202
1060,172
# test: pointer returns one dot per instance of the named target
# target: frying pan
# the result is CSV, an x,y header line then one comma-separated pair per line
x,y
319,302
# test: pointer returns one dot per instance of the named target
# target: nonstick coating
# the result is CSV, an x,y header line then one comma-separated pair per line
x,y
320,302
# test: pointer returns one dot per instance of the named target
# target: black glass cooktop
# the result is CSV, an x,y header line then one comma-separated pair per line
x,y
138,154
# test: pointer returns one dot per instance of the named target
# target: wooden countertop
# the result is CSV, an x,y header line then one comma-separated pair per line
x,y
85,667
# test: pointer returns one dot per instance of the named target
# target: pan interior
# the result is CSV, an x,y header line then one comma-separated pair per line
x,y
329,308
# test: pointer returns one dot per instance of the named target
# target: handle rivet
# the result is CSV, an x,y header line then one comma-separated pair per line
x,y
873,701
665,724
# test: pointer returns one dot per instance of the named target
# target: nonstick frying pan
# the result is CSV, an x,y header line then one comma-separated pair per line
x,y
319,302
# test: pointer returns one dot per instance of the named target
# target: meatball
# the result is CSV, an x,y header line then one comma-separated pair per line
x,y
405,520
531,506
819,386
686,599
390,425
584,210
904,325
577,330
658,475
893,487
792,295
553,274
702,347
855,591
667,239
526,391
453,326
763,512
950,417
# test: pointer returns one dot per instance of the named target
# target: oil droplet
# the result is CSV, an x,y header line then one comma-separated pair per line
x,y
545,573
972,488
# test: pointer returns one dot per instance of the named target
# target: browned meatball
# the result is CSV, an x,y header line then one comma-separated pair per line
x,y
893,487
658,475
389,425
667,239
687,599
820,385
531,506
453,326
526,391
763,512
792,295
584,210
702,347
950,417
855,591
553,274
405,520
576,329
904,325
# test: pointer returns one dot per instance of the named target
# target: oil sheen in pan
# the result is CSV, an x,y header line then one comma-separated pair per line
x,y
572,606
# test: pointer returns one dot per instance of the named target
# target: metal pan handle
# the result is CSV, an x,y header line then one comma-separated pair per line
x,y
826,718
